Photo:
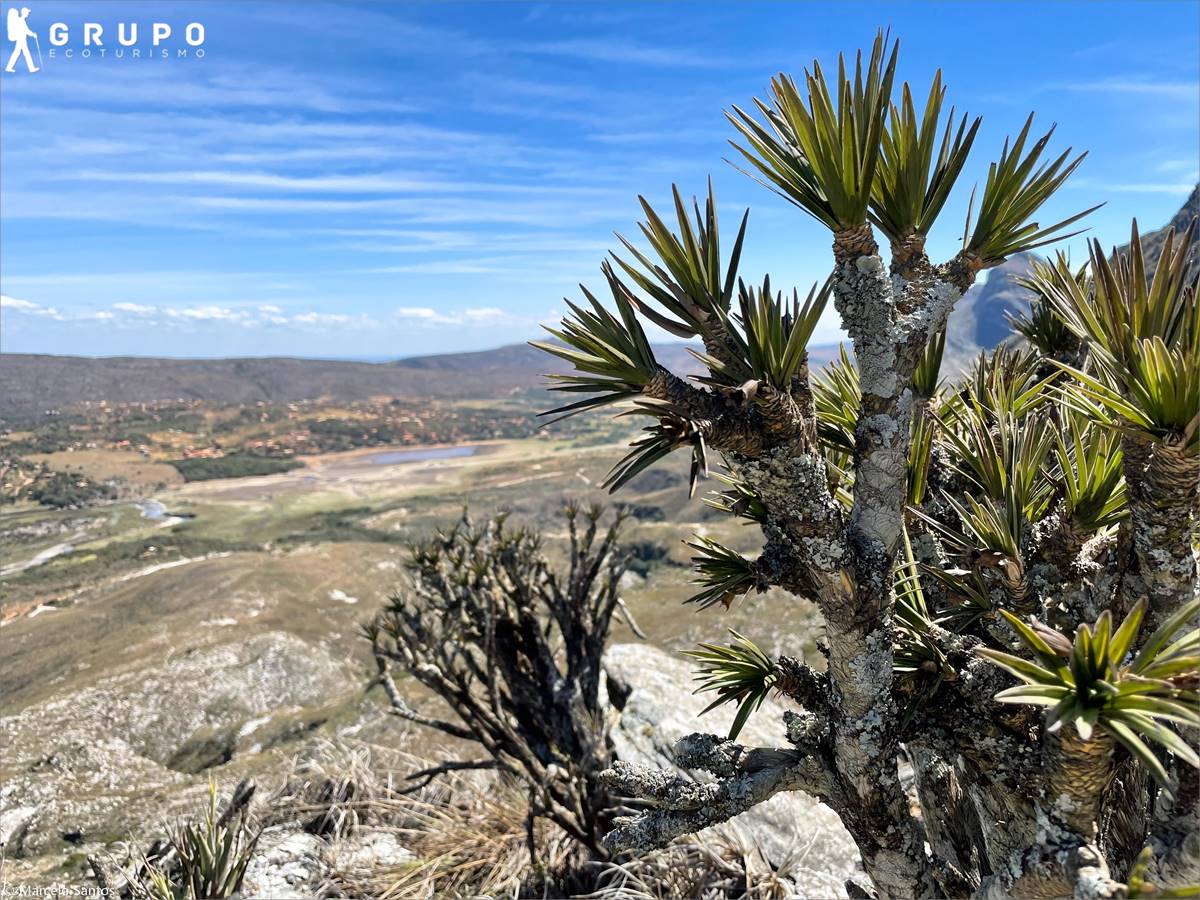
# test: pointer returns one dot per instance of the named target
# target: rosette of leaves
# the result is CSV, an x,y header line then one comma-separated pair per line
x,y
1142,336
671,430
738,673
1099,682
723,572
1042,326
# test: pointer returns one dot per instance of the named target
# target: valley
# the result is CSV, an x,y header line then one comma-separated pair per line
x,y
212,629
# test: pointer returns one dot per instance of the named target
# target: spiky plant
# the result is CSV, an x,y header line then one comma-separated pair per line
x,y
689,284
1143,338
777,334
915,619
201,859
612,358
1092,474
1042,326
738,673
724,573
1005,380
822,154
1014,191
670,430
909,510
738,500
912,188
837,396
1101,681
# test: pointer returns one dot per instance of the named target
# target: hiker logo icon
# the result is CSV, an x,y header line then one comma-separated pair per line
x,y
17,30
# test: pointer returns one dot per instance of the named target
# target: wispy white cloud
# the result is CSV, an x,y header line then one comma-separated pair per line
x,y
625,52
486,315
1180,165
146,315
208,313
7,302
529,211
228,85
321,319
1156,87
437,267
658,136
425,314
367,183
27,307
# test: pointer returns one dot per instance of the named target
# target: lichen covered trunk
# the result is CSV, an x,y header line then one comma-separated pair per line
x,y
866,724
1163,478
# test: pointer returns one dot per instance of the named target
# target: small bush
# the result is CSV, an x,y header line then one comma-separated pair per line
x,y
484,599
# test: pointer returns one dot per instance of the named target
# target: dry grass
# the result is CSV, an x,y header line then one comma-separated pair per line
x,y
467,831
468,836
104,464
470,839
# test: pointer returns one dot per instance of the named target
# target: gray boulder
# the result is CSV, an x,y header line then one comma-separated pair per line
x,y
289,863
651,692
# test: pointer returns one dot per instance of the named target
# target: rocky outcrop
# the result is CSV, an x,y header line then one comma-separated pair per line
x,y
122,754
653,706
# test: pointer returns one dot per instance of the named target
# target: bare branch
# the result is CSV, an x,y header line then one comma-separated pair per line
x,y
686,806
404,711
427,775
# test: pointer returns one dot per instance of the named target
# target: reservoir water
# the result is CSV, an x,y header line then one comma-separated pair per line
x,y
393,457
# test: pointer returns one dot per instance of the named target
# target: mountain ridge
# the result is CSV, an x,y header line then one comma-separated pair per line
x,y
979,320
33,384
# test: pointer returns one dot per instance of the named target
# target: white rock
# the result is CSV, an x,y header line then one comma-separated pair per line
x,y
13,822
287,865
367,849
795,833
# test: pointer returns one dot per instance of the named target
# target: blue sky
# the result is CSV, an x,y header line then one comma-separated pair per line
x,y
387,179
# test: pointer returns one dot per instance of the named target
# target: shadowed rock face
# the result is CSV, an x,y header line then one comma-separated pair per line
x,y
999,297
653,690
980,319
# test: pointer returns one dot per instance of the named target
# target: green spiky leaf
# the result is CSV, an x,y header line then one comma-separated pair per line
x,y
739,673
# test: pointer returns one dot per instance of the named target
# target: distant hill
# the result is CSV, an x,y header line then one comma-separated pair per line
x,y
980,318
30,384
